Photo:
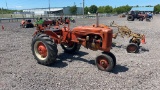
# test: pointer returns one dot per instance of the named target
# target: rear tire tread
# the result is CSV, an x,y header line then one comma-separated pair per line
x,y
51,46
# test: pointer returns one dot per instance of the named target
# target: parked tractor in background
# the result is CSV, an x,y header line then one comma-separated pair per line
x,y
46,38
26,24
132,15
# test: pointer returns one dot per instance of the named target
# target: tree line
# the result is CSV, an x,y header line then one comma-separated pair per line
x,y
110,9
8,11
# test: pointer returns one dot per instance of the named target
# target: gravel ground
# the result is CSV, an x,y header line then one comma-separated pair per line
x,y
20,71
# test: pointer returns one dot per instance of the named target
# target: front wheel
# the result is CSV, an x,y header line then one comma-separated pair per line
x,y
105,62
44,49
132,48
112,56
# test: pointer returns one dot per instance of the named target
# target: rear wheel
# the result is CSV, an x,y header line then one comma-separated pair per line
x,y
44,49
130,18
132,48
105,62
71,47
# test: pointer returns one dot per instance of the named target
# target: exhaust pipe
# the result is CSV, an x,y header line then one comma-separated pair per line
x,y
97,19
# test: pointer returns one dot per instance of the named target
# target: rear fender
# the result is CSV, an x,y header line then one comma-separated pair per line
x,y
53,35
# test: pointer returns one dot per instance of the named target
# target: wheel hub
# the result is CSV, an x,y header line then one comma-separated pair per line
x,y
132,48
103,63
42,50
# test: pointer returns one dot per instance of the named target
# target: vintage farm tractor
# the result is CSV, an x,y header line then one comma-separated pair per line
x,y
45,40
134,42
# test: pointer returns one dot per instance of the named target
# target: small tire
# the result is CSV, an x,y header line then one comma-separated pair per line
x,y
44,49
104,62
132,48
72,48
137,41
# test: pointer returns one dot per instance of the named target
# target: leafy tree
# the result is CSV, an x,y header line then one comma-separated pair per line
x,y
105,9
73,10
93,9
7,11
86,10
108,9
127,8
101,9
122,9
157,8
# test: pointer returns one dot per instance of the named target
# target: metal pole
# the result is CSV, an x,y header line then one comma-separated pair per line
x,y
97,19
2,12
6,4
83,8
49,7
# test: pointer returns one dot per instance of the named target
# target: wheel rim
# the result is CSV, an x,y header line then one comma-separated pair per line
x,y
40,50
102,63
132,48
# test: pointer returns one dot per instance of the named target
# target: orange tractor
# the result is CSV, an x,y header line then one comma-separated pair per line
x,y
46,38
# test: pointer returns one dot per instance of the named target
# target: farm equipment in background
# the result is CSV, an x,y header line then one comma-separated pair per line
x,y
55,22
72,20
149,16
134,42
136,15
26,24
46,38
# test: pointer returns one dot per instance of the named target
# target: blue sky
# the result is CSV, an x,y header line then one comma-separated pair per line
x,y
27,4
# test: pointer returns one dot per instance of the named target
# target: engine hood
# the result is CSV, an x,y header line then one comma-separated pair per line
x,y
84,30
